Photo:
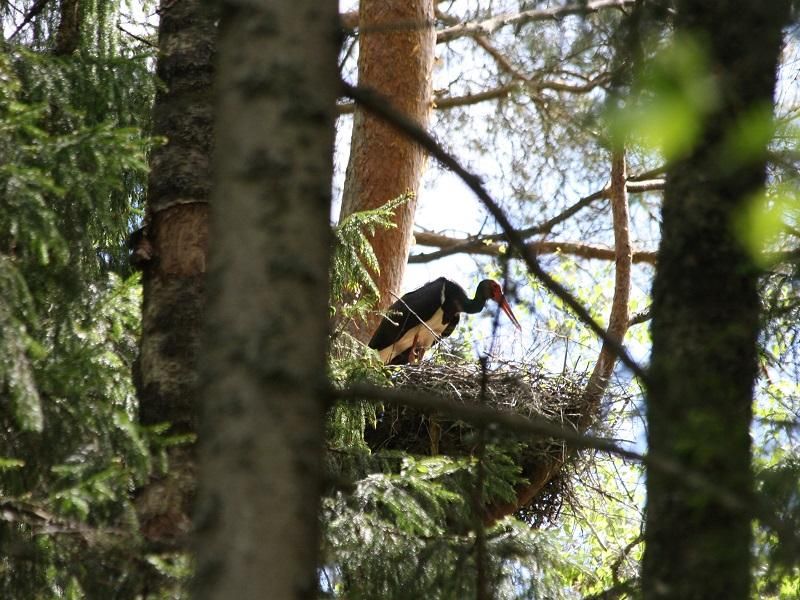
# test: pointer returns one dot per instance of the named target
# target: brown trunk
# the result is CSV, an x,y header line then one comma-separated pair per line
x,y
264,377
396,51
172,253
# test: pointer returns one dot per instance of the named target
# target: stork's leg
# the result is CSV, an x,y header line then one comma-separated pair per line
x,y
412,355
419,353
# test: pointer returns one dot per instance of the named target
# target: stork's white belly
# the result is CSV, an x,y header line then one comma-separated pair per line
x,y
426,336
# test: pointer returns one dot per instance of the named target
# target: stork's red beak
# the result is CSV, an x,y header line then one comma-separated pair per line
x,y
507,309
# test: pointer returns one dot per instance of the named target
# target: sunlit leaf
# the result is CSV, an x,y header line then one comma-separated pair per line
x,y
764,220
666,107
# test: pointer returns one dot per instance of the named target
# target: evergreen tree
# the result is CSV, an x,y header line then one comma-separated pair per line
x,y
426,490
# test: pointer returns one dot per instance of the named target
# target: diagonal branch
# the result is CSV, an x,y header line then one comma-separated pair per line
x,y
382,107
633,187
32,13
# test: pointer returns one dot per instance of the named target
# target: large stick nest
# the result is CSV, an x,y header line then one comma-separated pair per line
x,y
505,386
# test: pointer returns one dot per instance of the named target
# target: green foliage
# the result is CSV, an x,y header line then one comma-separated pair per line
x,y
409,533
768,219
353,291
73,150
778,546
669,101
77,469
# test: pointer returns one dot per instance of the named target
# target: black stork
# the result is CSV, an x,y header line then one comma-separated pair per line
x,y
421,318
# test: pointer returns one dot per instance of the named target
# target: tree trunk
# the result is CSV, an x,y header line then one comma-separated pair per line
x,y
705,320
396,52
264,375
68,34
172,253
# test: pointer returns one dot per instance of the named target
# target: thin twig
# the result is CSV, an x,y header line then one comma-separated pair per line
x,y
34,11
482,246
136,37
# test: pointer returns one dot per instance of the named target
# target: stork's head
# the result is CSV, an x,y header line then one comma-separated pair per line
x,y
491,290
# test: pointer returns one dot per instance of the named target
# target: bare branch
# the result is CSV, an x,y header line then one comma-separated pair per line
x,y
651,174
501,59
521,82
618,325
381,107
488,26
33,12
136,37
501,91
483,246
640,317
445,102
547,226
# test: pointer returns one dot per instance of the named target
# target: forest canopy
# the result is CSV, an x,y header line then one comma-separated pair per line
x,y
206,208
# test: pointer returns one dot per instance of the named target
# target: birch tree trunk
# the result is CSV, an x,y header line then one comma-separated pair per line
x,y
264,376
396,52
705,320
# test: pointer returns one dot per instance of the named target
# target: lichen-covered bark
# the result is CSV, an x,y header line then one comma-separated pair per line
x,y
175,236
705,321
263,373
396,52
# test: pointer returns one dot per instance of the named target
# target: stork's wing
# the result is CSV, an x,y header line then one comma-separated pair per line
x,y
406,313
451,325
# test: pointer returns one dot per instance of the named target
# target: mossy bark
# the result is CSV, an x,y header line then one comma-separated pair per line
x,y
705,320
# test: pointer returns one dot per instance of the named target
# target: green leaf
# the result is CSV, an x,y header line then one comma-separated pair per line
x,y
763,221
670,98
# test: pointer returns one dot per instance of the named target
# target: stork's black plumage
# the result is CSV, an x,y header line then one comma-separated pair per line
x,y
420,318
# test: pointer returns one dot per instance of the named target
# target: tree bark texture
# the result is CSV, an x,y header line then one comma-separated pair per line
x,y
68,34
264,376
396,52
705,320
172,254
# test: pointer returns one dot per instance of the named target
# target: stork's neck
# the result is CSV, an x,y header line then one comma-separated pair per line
x,y
476,304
